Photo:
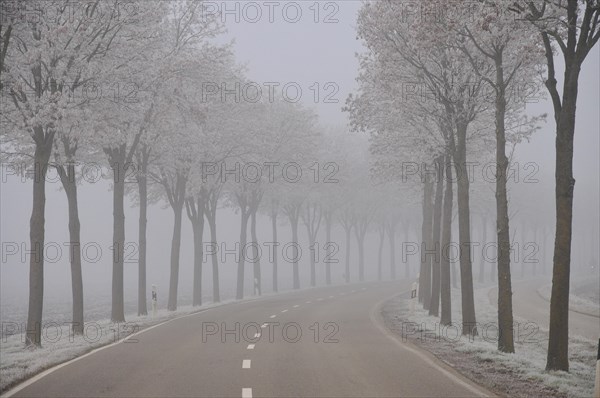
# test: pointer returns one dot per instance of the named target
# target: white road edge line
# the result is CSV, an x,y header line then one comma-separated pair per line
x,y
53,369
250,347
246,364
375,316
246,393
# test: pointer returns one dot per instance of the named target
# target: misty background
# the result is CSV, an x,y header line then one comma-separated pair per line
x,y
305,53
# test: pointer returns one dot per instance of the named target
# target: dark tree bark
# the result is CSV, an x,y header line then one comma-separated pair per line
x,y
445,290
255,254
274,207
434,303
211,216
142,179
311,217
175,187
117,158
582,33
505,316
43,149
68,179
120,158
195,211
361,226
244,216
292,210
426,231
464,223
481,274
346,221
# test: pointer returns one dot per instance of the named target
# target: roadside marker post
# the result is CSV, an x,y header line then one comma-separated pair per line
x,y
597,383
413,297
154,300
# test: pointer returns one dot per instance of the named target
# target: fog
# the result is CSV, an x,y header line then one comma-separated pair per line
x,y
322,60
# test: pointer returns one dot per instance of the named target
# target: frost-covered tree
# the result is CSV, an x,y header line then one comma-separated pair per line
x,y
49,60
570,28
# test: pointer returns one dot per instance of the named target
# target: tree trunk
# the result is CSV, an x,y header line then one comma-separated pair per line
x,y
274,227
434,303
255,256
242,260
360,239
294,225
505,316
212,223
405,227
347,275
69,184
118,164
523,242
175,251
36,237
392,238
445,290
558,343
380,251
426,230
484,240
142,180
329,253
198,230
466,272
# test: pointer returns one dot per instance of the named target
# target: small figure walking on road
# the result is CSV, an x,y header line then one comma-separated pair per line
x,y
154,300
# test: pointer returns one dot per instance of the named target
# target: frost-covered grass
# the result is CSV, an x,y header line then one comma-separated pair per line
x,y
18,363
576,302
527,364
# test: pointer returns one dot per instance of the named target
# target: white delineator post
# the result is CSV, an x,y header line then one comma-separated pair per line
x,y
154,300
597,383
413,297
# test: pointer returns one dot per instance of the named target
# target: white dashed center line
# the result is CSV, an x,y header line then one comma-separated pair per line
x,y
284,311
246,393
250,346
296,306
256,335
272,316
246,364
330,296
320,299
308,302
264,325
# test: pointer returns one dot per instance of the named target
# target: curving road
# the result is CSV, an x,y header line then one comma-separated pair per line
x,y
278,353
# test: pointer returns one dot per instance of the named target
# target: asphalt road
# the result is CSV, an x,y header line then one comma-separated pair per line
x,y
528,304
278,353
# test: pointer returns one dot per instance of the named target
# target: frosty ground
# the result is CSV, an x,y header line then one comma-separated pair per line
x,y
521,374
